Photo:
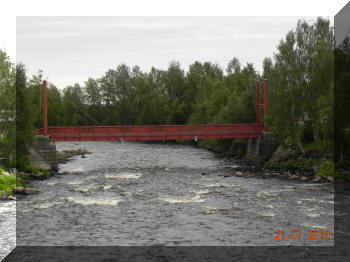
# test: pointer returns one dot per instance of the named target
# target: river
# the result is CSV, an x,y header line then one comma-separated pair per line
x,y
167,194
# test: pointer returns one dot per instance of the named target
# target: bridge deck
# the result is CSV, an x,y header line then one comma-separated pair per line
x,y
153,132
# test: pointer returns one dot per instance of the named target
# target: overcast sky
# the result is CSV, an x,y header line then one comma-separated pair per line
x,y
72,49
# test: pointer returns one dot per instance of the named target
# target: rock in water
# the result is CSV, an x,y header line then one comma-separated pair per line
x,y
28,190
209,212
40,176
12,198
239,173
317,179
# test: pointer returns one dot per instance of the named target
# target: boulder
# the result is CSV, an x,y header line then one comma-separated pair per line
x,y
317,179
11,198
330,179
293,177
281,154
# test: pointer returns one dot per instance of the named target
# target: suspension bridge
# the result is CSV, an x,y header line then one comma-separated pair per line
x,y
159,132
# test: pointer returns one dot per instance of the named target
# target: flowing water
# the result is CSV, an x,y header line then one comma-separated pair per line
x,y
167,194
7,227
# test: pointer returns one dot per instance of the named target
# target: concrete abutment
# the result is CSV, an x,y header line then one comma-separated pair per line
x,y
261,149
43,154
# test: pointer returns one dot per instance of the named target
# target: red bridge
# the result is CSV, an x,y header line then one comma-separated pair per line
x,y
158,132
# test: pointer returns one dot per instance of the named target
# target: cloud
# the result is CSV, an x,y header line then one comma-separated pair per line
x,y
76,48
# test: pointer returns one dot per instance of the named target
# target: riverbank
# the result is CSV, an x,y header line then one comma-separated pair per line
x,y
14,184
315,165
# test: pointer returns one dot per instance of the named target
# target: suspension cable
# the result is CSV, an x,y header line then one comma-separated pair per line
x,y
84,112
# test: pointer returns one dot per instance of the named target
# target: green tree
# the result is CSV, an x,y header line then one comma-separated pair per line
x,y
74,112
342,96
54,109
93,98
25,131
35,90
7,110
302,73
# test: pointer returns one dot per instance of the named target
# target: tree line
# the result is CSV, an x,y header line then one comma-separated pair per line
x,y
301,81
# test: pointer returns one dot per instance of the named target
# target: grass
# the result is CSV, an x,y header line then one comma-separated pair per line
x,y
9,181
326,169
304,164
35,170
322,147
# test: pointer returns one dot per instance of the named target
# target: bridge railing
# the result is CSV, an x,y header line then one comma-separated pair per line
x,y
154,132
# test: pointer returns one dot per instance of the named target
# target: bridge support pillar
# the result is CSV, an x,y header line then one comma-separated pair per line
x,y
45,107
261,149
43,154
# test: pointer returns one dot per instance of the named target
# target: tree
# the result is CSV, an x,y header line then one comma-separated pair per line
x,y
93,98
25,131
74,113
342,96
7,110
54,109
302,72
35,90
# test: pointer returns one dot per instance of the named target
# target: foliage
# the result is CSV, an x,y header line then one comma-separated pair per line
x,y
25,131
8,182
31,169
7,110
302,72
305,164
326,169
321,147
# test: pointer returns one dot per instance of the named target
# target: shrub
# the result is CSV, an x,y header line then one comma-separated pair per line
x,y
326,169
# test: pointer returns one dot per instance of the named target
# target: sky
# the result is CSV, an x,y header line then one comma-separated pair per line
x,y
71,43
72,49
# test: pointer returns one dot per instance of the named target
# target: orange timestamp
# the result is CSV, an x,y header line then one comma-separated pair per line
x,y
300,234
